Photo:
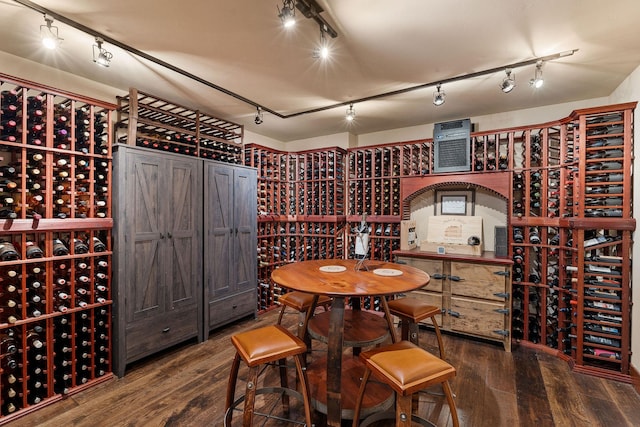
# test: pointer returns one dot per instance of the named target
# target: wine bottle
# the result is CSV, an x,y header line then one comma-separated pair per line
x,y
98,246
33,250
8,252
59,248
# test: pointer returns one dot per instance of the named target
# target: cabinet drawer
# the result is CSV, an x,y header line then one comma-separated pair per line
x,y
232,308
153,334
431,299
478,317
479,280
429,266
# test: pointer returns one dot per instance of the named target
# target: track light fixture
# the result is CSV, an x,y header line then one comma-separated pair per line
x,y
508,83
101,56
49,34
322,51
287,14
258,119
537,81
351,113
438,96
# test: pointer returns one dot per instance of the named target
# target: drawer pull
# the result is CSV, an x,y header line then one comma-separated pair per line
x,y
165,330
502,332
401,261
502,310
504,273
454,313
234,306
437,276
504,295
456,278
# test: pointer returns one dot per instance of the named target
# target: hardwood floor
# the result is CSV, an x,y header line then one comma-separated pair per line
x,y
186,386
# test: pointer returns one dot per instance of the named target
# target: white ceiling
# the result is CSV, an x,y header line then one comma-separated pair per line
x,y
382,46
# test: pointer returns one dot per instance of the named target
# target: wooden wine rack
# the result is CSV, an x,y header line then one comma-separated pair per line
x,y
300,210
55,319
565,181
149,121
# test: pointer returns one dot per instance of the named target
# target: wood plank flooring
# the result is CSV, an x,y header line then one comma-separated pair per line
x,y
186,386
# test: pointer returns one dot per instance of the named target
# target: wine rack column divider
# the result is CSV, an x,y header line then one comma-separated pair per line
x,y
55,245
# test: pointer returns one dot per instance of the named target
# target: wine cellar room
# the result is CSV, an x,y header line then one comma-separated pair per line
x,y
159,162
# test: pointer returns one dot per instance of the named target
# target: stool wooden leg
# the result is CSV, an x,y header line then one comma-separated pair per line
x,y
304,388
284,383
231,389
452,403
404,329
250,396
438,335
403,410
284,307
389,317
363,386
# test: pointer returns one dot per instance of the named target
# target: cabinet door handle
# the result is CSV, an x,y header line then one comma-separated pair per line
x,y
454,313
165,330
169,235
455,278
399,261
502,332
504,273
162,235
504,295
437,276
502,310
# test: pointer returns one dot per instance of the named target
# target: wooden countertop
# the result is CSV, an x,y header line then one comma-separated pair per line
x,y
487,257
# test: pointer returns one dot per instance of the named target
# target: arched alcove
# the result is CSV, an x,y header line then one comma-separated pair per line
x,y
488,194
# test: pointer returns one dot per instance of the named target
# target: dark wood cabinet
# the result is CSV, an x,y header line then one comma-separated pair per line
x,y
159,262
230,243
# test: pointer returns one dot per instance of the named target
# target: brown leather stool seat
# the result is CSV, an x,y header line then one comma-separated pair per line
x,y
256,348
412,311
300,301
407,369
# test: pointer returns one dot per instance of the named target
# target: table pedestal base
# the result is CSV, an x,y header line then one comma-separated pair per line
x,y
379,397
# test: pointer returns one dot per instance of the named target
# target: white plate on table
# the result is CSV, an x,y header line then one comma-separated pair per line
x,y
389,272
333,268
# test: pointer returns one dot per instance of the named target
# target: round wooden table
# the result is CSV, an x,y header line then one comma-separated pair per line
x,y
339,279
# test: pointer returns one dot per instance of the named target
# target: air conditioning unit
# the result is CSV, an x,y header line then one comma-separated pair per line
x,y
452,146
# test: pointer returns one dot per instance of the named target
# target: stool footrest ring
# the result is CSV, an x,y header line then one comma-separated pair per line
x,y
268,390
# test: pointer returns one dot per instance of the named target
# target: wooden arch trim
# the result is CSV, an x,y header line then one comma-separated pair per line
x,y
498,183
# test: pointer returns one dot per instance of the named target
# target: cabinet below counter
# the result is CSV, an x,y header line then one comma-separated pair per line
x,y
474,292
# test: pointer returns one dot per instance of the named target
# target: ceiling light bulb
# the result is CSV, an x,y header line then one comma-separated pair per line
x,y
537,81
508,83
288,14
351,113
438,97
49,34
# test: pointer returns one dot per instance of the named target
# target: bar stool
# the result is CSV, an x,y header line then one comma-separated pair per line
x,y
411,311
407,369
259,347
300,301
